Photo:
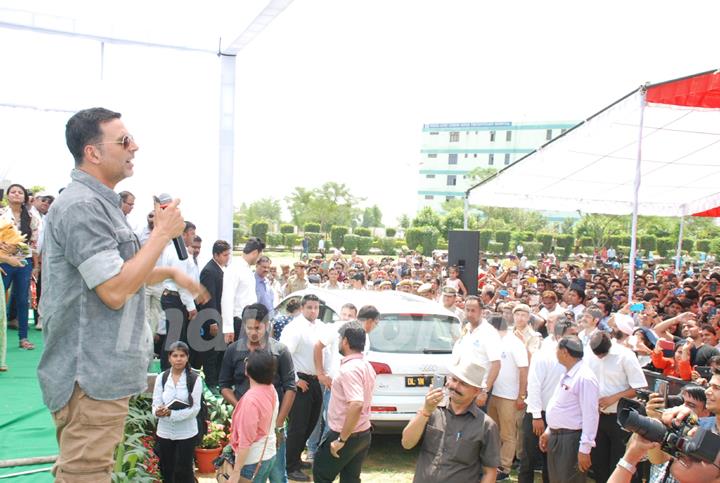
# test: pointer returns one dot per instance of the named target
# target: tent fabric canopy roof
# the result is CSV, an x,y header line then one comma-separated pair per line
x,y
592,167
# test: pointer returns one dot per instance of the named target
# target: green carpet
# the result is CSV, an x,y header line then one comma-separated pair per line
x,y
26,427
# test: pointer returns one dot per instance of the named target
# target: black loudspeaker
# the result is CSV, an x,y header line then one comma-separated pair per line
x,y
464,252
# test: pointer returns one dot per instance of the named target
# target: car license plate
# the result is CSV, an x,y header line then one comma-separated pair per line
x,y
418,381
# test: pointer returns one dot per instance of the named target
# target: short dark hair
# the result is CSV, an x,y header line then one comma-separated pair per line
x,y
197,239
475,298
562,325
189,225
263,259
600,343
310,297
253,243
293,305
220,246
83,128
368,312
695,392
255,311
260,366
355,334
350,307
573,345
124,195
709,328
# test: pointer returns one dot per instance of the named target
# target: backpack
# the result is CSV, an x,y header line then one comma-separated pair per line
x,y
202,416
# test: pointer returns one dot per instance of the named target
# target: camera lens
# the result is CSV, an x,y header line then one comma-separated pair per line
x,y
648,428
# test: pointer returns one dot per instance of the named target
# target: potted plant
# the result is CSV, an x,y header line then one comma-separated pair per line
x,y
210,447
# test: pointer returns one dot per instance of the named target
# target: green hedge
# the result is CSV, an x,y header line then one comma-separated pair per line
x,y
503,237
618,240
442,245
561,253
311,228
425,237
587,241
238,236
648,242
715,246
546,239
350,243
274,239
485,237
688,244
362,231
313,239
337,235
666,246
364,245
623,251
387,246
703,246
260,229
567,242
495,248
286,228
532,249
587,250
290,240
390,232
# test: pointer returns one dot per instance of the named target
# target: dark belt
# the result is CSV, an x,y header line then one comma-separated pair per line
x,y
302,375
564,431
171,293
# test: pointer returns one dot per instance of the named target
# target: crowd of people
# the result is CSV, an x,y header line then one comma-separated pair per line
x,y
546,351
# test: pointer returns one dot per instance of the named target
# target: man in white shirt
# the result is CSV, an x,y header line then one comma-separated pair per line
x,y
300,337
619,375
483,340
550,307
239,288
449,297
589,321
508,398
176,300
575,297
543,377
332,282
523,330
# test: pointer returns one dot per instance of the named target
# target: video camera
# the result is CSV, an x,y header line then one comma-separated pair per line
x,y
703,445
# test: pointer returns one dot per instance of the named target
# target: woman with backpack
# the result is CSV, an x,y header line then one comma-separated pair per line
x,y
177,410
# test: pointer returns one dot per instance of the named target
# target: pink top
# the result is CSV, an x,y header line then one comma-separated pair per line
x,y
252,415
355,382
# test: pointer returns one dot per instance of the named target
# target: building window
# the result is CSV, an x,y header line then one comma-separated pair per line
x,y
434,133
475,155
451,180
429,176
466,155
507,159
476,133
548,134
492,136
491,159
452,158
508,136
449,198
454,136
432,155
429,197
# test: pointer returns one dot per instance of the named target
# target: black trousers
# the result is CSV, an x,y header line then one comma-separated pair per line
x,y
326,467
211,361
176,459
533,456
303,417
609,447
168,302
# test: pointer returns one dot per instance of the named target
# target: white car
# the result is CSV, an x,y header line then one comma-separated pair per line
x,y
412,342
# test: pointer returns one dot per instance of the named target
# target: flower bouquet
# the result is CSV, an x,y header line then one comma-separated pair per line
x,y
12,242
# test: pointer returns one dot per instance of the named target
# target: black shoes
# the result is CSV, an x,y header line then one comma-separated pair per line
x,y
298,475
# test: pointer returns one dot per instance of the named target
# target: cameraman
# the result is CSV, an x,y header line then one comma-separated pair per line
x,y
682,469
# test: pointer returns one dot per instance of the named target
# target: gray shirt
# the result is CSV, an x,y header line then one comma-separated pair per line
x,y
86,241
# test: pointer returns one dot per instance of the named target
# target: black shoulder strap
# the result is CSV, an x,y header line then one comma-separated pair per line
x,y
165,376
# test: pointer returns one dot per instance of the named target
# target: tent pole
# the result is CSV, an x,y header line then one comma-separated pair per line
x,y
679,247
466,205
638,170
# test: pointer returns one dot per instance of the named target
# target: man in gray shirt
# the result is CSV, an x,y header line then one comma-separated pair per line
x,y
97,342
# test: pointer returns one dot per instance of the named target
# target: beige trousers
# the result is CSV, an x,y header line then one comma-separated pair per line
x,y
505,414
88,430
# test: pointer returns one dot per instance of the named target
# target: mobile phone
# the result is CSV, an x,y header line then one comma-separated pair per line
x,y
438,381
514,282
678,291
705,372
661,388
666,345
504,293
713,286
637,307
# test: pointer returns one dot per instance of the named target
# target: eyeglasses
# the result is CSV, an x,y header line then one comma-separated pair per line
x,y
125,141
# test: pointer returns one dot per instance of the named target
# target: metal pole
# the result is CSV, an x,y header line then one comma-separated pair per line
x,y
466,208
227,148
27,472
35,460
638,170
678,253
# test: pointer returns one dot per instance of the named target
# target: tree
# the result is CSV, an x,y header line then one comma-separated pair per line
x,y
404,222
428,217
512,218
598,227
298,203
266,209
454,220
331,204
372,217
476,175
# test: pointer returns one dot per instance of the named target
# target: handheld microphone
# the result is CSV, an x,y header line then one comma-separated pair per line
x,y
164,200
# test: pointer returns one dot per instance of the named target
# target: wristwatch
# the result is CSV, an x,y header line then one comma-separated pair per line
x,y
626,466
340,440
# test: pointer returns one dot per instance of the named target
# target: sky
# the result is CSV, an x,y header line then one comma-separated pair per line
x,y
331,90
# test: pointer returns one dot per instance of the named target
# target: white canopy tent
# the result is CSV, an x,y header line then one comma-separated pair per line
x,y
656,151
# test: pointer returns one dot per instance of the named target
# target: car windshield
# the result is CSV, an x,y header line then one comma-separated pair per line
x,y
415,333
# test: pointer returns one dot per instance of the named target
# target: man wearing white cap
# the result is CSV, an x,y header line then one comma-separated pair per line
x,y
619,374
460,443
